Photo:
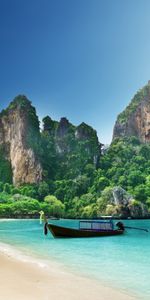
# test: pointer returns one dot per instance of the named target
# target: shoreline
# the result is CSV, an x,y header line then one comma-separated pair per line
x,y
28,279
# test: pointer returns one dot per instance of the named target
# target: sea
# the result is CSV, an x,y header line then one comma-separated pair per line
x,y
122,262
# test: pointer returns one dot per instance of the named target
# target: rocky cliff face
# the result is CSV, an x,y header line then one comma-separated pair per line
x,y
17,124
135,119
122,204
60,150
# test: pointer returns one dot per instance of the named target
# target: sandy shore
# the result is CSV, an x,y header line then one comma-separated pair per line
x,y
27,281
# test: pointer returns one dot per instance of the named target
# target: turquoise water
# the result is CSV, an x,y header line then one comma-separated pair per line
x,y
120,261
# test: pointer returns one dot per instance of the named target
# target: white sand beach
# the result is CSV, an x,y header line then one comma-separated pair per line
x,y
20,280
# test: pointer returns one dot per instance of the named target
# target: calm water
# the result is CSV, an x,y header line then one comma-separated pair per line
x,y
121,261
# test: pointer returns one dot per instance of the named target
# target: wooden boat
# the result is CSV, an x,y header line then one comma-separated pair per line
x,y
86,229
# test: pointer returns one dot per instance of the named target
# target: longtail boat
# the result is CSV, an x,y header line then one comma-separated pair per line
x,y
86,229
89,228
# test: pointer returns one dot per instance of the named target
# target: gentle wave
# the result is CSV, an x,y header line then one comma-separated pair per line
x,y
18,255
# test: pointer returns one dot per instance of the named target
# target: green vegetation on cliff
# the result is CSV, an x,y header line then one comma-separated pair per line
x,y
67,149
5,167
126,163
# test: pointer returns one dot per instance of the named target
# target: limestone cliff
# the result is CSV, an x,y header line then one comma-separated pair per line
x,y
123,205
135,119
19,134
71,148
87,134
61,150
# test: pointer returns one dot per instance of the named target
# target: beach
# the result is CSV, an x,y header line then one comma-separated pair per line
x,y
22,280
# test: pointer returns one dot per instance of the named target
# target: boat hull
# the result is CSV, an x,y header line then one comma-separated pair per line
x,y
64,232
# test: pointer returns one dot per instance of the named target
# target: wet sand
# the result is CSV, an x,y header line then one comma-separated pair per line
x,y
22,280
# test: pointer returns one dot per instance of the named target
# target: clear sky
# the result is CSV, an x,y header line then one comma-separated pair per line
x,y
80,59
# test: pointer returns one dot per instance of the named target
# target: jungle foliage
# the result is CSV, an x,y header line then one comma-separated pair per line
x,y
126,163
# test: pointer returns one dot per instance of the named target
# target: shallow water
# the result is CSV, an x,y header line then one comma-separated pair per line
x,y
120,261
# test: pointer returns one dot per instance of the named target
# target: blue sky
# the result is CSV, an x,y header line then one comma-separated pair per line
x,y
80,59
